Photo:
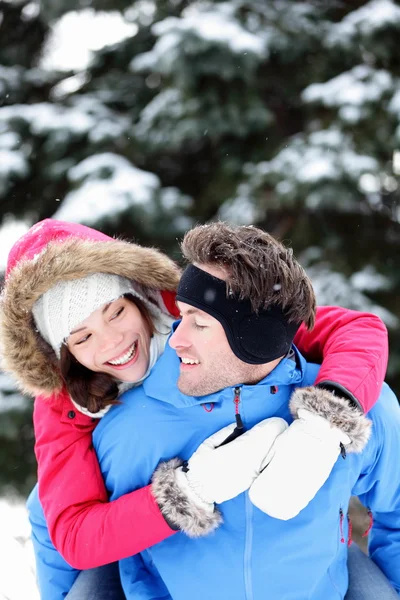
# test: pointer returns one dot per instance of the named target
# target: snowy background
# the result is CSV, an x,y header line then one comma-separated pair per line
x,y
142,118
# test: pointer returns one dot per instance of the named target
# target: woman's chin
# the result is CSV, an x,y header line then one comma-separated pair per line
x,y
130,374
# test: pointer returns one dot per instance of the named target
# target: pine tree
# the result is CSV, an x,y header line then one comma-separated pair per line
x,y
281,113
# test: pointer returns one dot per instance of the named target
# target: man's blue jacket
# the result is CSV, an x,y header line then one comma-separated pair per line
x,y
251,556
54,575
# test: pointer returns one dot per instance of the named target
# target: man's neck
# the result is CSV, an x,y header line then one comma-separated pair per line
x,y
263,371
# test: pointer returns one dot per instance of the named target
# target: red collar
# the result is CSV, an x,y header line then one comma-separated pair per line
x,y
70,414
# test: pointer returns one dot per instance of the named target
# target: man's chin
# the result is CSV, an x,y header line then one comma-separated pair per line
x,y
198,389
187,387
184,388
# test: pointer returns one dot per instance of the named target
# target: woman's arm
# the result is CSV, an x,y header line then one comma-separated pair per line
x,y
353,349
83,525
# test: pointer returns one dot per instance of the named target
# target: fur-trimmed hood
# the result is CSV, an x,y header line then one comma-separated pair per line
x,y
78,252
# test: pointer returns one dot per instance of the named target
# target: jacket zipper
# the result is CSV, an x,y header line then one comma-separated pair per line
x,y
236,400
248,546
239,429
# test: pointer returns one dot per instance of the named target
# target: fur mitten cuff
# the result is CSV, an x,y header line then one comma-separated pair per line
x,y
337,411
177,506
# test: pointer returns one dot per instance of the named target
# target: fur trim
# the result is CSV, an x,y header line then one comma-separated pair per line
x,y
337,411
176,506
70,259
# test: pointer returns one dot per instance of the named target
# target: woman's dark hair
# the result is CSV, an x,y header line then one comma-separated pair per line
x,y
91,390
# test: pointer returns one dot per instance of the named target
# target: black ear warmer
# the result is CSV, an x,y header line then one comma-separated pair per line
x,y
254,338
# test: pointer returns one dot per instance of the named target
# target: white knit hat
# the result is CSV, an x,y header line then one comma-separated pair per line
x,y
68,303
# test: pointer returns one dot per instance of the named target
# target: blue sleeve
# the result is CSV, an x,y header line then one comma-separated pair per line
x,y
379,485
54,576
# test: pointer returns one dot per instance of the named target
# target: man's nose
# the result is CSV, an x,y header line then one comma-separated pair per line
x,y
179,339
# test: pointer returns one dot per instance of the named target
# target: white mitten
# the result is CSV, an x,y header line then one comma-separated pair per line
x,y
298,465
217,474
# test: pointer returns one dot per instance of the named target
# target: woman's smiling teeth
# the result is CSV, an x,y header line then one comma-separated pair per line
x,y
190,361
126,357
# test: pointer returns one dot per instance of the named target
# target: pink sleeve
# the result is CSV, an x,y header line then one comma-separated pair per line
x,y
353,348
84,526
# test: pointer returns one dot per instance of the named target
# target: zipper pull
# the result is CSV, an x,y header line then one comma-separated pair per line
x,y
239,429
236,400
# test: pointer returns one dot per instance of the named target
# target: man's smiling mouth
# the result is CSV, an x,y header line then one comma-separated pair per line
x,y
189,361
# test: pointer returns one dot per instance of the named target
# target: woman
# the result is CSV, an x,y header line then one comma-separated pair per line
x,y
83,525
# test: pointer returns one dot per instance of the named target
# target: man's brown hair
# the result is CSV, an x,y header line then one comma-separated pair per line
x,y
258,267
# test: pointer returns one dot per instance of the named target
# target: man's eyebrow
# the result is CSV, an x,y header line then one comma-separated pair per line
x,y
194,311
189,311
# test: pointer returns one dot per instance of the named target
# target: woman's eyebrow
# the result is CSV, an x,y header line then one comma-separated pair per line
x,y
78,330
105,308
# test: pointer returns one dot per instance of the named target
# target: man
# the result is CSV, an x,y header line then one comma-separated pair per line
x,y
242,299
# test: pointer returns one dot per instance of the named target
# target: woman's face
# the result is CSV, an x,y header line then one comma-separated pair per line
x,y
114,339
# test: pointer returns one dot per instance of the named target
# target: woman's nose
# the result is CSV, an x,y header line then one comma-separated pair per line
x,y
110,339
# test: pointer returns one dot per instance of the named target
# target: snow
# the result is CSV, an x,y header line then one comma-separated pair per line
x,y
69,85
396,162
320,156
394,108
169,101
208,23
169,119
394,104
142,11
333,288
85,116
331,138
310,169
11,164
365,21
109,184
172,118
45,117
369,183
11,230
90,30
9,140
217,24
317,167
241,210
16,553
9,398
172,199
369,280
354,88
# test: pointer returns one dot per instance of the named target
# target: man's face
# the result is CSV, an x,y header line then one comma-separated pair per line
x,y
207,361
